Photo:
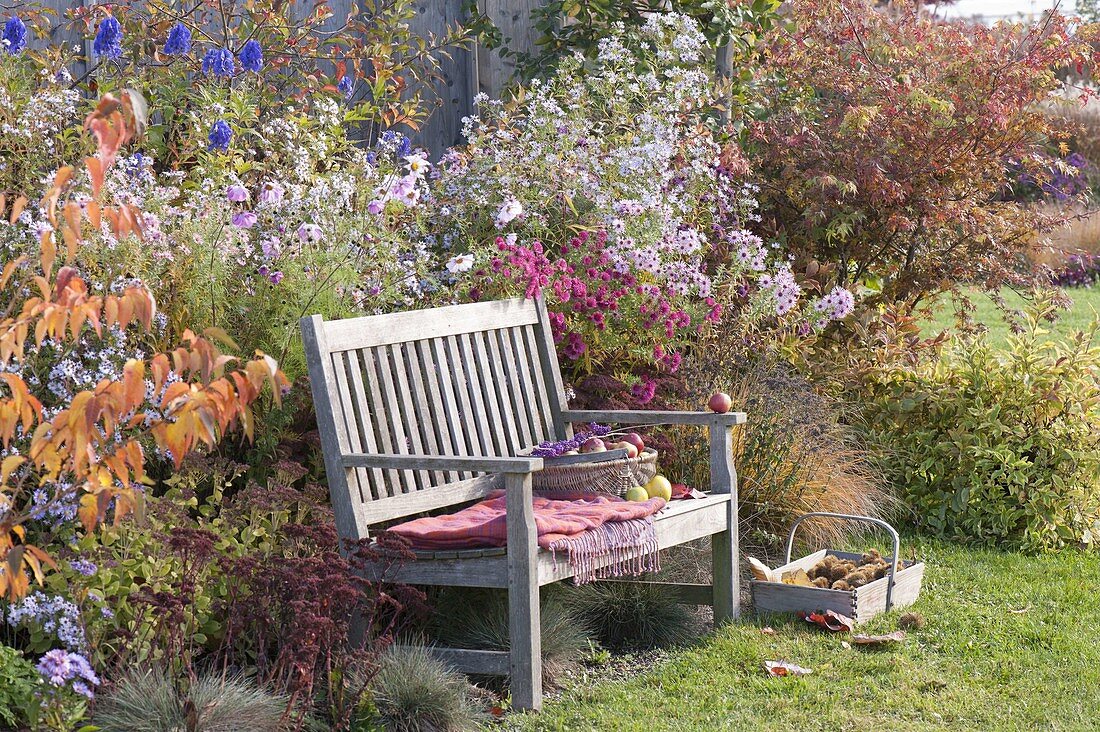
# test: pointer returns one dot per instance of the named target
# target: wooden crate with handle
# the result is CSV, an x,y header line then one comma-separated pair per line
x,y
897,589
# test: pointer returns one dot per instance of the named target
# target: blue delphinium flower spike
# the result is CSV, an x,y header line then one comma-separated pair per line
x,y
219,62
15,35
179,41
220,136
108,39
252,56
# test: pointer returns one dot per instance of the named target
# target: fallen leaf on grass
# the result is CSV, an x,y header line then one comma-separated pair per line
x,y
846,645
911,620
783,668
1020,611
768,630
829,620
879,640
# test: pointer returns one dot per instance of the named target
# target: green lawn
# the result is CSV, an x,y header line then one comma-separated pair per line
x,y
1086,303
1010,643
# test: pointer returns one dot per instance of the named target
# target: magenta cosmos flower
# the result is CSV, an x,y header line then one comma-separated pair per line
x,y
244,219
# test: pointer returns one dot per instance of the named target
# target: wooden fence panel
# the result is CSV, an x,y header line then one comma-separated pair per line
x,y
513,18
461,75
457,84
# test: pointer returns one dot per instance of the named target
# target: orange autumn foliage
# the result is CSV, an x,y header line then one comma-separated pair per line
x,y
94,443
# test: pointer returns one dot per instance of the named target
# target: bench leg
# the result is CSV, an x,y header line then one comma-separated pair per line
x,y
725,575
726,578
524,625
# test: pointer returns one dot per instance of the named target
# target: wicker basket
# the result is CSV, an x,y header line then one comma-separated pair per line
x,y
614,476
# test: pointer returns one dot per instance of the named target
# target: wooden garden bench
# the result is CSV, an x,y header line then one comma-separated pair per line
x,y
430,409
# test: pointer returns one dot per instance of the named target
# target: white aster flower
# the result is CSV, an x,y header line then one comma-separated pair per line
x,y
460,263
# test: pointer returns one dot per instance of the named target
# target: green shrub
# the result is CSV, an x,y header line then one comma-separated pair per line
x,y
626,615
997,446
479,619
414,692
152,701
18,681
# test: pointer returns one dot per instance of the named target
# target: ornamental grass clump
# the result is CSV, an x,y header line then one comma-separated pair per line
x,y
997,446
625,616
414,692
151,700
793,457
466,618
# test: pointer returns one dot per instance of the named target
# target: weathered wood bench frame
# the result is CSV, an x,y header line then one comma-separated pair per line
x,y
429,409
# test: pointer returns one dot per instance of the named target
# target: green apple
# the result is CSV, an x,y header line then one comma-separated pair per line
x,y
659,487
637,493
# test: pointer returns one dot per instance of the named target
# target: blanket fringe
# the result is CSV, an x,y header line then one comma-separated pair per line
x,y
631,546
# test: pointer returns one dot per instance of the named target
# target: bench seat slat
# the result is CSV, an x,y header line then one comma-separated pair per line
x,y
358,481
372,481
521,409
460,384
477,415
434,406
500,394
391,485
391,420
529,380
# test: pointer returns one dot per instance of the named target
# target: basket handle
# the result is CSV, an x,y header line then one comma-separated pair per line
x,y
850,517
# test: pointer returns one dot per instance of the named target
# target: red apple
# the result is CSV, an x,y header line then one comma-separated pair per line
x,y
634,439
593,444
720,402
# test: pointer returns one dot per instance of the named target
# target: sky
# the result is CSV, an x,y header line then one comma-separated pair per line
x,y
1000,8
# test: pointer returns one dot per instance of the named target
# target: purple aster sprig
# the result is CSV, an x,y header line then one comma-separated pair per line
x,y
50,614
556,449
63,668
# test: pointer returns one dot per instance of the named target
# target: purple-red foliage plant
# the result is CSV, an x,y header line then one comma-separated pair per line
x,y
308,623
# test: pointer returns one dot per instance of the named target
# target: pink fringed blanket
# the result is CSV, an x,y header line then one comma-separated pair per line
x,y
590,530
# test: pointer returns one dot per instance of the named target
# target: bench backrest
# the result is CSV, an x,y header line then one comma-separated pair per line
x,y
478,379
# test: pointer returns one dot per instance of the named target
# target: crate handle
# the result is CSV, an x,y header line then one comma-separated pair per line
x,y
851,517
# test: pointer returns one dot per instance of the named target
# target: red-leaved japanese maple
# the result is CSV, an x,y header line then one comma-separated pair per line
x,y
888,140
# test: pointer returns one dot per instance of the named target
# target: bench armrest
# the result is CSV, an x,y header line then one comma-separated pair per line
x,y
652,417
474,463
